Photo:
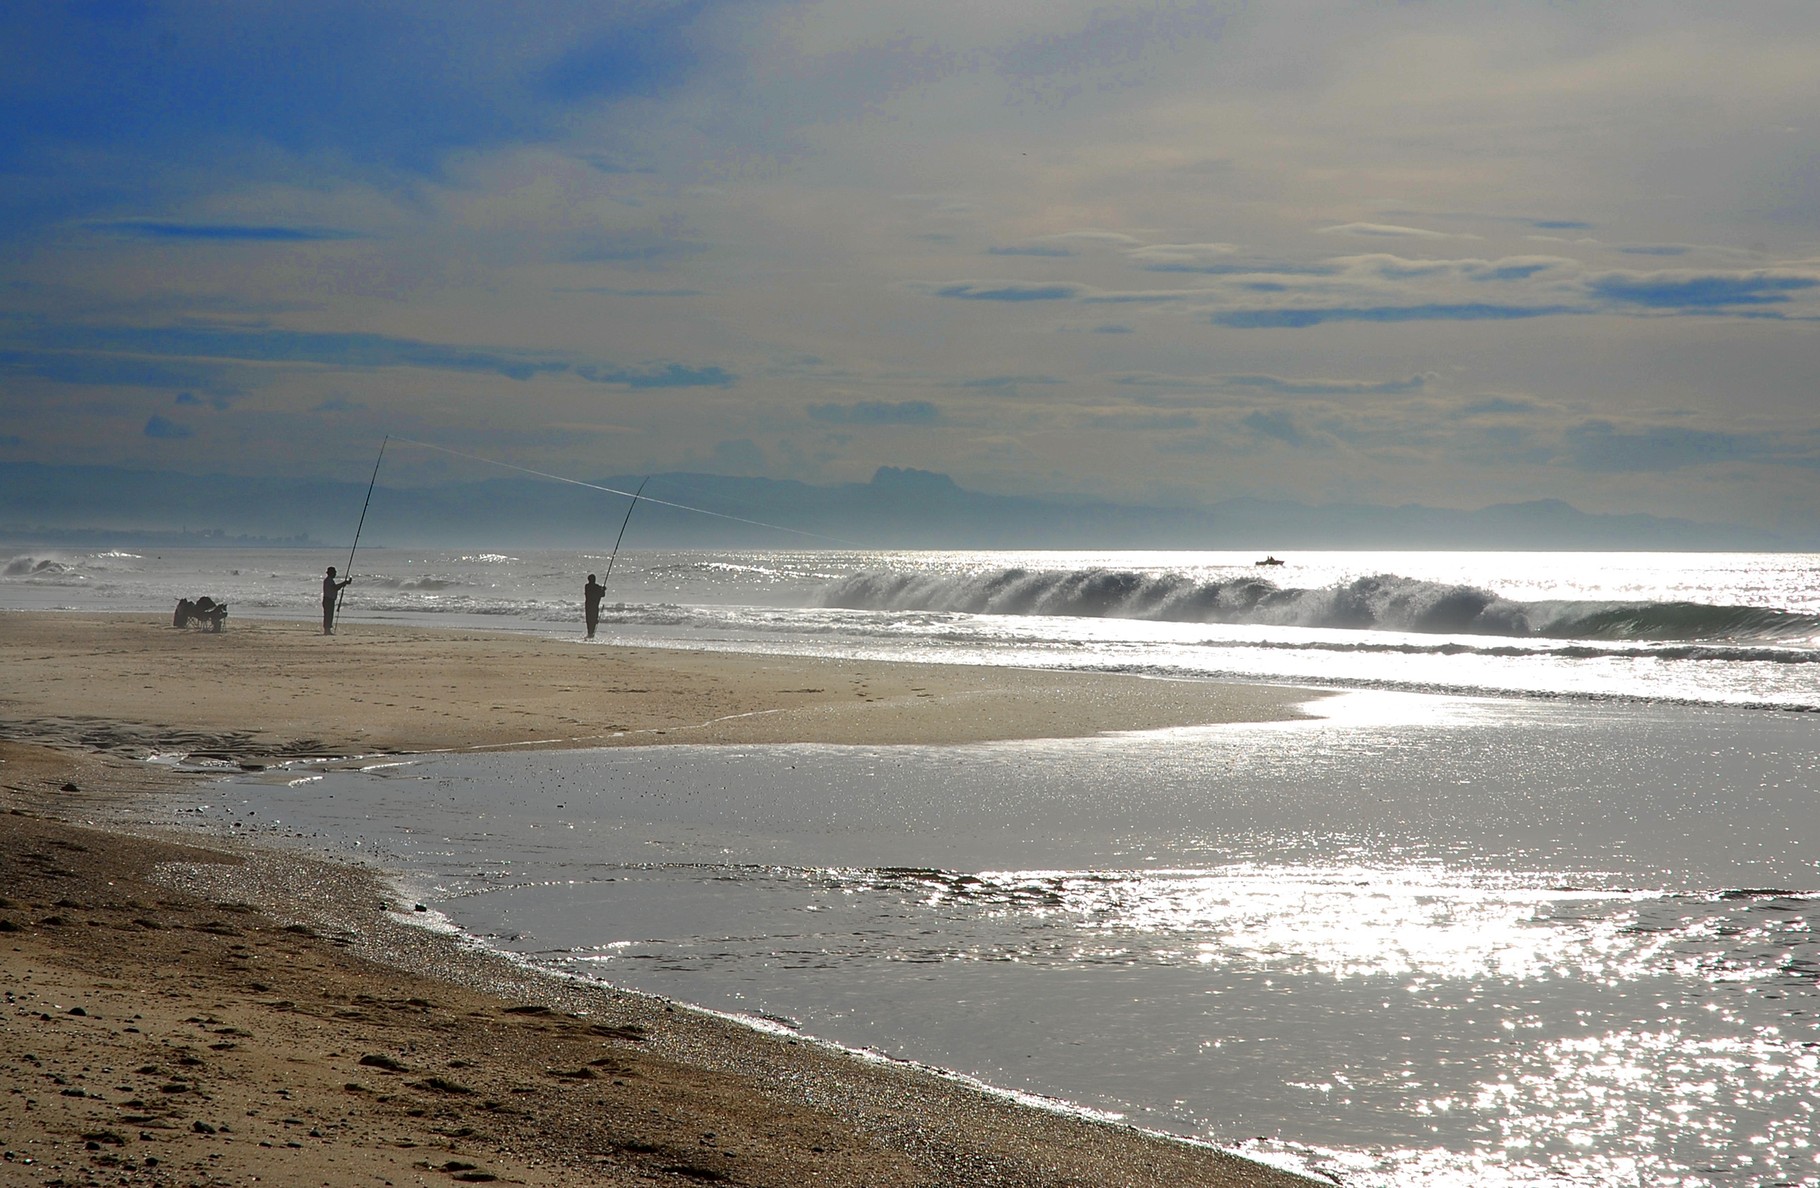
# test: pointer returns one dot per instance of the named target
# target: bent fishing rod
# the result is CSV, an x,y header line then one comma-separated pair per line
x,y
348,576
622,529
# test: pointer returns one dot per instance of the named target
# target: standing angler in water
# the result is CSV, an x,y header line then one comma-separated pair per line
x,y
591,594
331,589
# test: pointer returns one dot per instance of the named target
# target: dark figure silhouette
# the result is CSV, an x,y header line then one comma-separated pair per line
x,y
591,594
331,590
205,611
208,612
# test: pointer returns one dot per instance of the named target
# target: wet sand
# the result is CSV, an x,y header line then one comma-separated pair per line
x,y
185,1014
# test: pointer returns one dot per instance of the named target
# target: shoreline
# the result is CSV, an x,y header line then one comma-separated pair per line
x,y
269,993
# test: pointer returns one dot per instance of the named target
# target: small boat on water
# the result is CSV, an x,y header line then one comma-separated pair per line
x,y
1269,561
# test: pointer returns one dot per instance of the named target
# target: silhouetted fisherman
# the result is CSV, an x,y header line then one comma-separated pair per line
x,y
331,591
591,594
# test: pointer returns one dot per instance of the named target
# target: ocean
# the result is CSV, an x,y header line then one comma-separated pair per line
x,y
1532,898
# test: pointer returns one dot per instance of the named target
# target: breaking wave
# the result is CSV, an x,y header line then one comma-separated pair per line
x,y
40,569
1385,602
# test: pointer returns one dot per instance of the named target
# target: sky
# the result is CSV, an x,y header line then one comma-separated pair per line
x,y
1451,254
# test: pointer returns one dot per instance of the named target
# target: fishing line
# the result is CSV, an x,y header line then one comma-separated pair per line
x,y
558,478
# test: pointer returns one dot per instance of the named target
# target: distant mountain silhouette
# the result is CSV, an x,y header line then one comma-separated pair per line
x,y
899,508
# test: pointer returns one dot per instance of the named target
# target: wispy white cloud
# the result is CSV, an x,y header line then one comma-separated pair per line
x,y
1390,231
1386,288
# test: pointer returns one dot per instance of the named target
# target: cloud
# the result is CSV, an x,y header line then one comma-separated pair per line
x,y
1143,297
153,229
1277,425
1205,167
1287,387
11,441
741,455
1479,216
667,375
1142,420
1511,270
116,371
1008,291
1151,379
1297,318
1108,40
1694,290
297,346
88,364
1400,268
1277,385
164,429
1001,382
1187,255
1492,406
1241,268
877,412
1388,288
1601,446
1117,239
628,247
607,291
1385,288
1389,231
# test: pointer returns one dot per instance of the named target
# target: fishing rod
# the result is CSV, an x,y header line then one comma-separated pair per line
x,y
349,574
622,528
558,478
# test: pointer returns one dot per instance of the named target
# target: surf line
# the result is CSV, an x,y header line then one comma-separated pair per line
x,y
633,495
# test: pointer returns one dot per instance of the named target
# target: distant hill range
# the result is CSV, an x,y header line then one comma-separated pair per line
x,y
899,508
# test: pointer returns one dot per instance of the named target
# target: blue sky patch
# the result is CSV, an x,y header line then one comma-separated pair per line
x,y
1701,292
154,229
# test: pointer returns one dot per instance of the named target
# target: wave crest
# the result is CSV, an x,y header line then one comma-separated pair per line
x,y
38,569
1383,602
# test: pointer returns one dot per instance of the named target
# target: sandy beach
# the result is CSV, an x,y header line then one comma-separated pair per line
x,y
184,1014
